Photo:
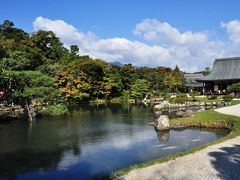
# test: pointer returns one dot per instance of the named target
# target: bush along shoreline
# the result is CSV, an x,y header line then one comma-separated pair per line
x,y
54,110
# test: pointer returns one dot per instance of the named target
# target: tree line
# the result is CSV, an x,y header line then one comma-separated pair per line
x,y
38,68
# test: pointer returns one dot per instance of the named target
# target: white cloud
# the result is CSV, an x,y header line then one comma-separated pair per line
x,y
161,44
128,51
233,30
164,33
114,49
68,34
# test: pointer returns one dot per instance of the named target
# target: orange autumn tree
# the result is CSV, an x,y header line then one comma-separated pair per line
x,y
88,79
72,82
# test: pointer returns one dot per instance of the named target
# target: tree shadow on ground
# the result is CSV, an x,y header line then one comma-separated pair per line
x,y
227,162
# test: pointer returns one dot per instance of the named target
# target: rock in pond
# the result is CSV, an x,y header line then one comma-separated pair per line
x,y
162,123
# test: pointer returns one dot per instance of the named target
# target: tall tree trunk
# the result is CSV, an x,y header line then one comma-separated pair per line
x,y
29,112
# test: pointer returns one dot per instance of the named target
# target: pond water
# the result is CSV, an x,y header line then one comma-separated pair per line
x,y
89,142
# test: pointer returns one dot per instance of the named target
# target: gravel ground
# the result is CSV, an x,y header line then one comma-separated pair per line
x,y
220,161
230,110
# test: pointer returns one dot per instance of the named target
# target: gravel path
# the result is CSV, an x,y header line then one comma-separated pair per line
x,y
231,110
220,161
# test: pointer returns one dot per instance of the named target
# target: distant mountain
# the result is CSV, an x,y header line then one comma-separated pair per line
x,y
116,63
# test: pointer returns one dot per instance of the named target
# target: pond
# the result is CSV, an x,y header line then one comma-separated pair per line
x,y
89,142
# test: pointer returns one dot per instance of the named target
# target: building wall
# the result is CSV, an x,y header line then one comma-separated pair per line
x,y
218,85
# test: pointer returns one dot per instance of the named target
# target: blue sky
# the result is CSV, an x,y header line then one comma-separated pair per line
x,y
114,22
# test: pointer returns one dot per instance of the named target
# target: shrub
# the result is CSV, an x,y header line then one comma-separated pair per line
x,y
194,99
156,93
125,95
181,99
194,93
54,110
166,96
116,100
212,97
227,98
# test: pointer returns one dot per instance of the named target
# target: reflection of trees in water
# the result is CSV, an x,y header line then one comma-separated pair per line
x,y
35,147
22,161
74,139
112,113
163,136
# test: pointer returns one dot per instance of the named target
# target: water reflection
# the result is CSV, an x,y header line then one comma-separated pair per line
x,y
163,136
89,141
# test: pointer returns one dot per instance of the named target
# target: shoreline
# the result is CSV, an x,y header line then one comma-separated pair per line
x,y
211,162
201,118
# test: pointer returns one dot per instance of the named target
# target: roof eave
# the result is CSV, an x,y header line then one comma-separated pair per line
x,y
211,80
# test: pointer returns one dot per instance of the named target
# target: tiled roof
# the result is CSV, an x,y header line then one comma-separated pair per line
x,y
224,69
191,80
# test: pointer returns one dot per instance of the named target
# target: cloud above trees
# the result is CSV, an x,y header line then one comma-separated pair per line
x,y
157,44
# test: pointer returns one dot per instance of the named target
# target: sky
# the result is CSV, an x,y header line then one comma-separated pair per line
x,y
187,33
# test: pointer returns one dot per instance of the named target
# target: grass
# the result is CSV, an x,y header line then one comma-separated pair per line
x,y
208,118
234,102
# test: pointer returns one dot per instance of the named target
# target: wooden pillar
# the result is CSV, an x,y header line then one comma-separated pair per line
x,y
203,90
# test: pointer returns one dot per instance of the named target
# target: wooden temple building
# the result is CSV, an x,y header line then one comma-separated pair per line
x,y
225,72
192,84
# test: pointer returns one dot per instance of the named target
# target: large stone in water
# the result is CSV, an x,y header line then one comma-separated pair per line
x,y
162,123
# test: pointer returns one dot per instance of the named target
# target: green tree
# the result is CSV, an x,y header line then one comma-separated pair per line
x,y
3,52
19,60
111,85
7,31
50,45
7,24
140,89
29,86
234,88
157,77
128,75
172,80
74,49
177,69
206,71
73,54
